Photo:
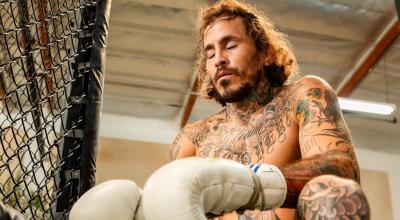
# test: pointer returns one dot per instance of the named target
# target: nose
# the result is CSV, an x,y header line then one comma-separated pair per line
x,y
220,59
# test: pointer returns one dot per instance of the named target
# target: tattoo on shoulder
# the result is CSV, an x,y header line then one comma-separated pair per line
x,y
318,107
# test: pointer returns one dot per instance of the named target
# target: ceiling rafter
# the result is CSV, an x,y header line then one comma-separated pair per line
x,y
159,30
153,55
173,4
353,80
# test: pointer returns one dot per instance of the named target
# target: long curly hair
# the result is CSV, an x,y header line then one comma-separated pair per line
x,y
260,30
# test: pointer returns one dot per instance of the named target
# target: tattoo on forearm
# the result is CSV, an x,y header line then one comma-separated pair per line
x,y
299,173
332,199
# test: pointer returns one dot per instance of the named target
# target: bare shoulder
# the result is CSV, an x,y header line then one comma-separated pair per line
x,y
199,130
186,142
292,96
308,82
314,95
296,90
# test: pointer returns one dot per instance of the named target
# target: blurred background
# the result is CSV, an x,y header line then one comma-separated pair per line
x,y
150,73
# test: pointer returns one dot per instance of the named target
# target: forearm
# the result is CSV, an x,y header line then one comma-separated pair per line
x,y
297,174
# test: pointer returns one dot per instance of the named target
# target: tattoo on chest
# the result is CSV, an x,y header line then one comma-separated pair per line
x,y
240,140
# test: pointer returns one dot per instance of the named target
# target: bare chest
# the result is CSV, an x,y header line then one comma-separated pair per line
x,y
270,137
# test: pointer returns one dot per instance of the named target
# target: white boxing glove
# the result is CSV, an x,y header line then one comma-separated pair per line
x,y
273,187
111,200
191,188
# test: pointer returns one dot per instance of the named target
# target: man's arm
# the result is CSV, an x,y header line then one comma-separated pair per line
x,y
325,142
181,147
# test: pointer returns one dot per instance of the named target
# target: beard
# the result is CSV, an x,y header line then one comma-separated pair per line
x,y
236,95
233,96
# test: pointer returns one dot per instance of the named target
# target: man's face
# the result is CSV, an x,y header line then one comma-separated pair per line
x,y
233,62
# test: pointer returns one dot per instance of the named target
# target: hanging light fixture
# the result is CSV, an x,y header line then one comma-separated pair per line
x,y
368,109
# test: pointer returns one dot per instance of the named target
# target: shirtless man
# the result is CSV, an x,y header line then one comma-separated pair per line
x,y
244,64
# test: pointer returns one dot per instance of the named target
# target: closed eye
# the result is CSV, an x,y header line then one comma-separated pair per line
x,y
209,56
231,46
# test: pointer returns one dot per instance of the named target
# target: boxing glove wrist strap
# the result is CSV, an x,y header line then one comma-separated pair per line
x,y
256,194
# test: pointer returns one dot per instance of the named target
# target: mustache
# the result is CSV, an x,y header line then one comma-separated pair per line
x,y
220,69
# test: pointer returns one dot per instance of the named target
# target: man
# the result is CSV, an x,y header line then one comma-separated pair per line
x,y
244,64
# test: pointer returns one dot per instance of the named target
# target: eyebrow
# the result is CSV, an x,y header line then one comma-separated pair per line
x,y
223,40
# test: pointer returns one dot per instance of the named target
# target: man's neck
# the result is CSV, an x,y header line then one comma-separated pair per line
x,y
242,111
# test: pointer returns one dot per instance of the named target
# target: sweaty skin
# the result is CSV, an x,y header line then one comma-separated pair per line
x,y
297,127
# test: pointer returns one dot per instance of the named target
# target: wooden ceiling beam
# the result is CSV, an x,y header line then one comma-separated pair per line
x,y
371,59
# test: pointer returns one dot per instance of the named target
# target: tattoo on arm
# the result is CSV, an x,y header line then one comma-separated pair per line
x,y
325,143
332,198
175,148
183,145
319,116
299,173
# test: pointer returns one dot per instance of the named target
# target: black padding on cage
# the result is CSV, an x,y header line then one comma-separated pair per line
x,y
94,96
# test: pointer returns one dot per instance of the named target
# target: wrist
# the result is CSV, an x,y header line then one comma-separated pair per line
x,y
271,187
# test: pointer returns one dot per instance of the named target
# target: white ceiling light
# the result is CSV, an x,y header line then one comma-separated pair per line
x,y
375,110
366,106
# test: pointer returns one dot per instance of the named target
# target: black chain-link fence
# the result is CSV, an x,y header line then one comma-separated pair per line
x,y
45,49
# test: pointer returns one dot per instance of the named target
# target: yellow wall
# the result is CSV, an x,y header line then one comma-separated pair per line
x,y
376,187
134,160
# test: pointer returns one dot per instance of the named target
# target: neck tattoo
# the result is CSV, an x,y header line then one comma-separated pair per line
x,y
257,99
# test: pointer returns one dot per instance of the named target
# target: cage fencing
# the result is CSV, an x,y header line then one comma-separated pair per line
x,y
45,76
